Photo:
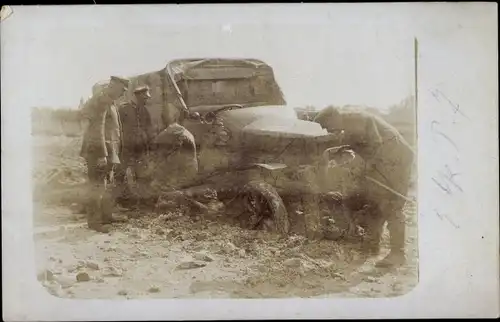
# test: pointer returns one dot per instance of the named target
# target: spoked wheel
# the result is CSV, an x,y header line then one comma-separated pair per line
x,y
264,208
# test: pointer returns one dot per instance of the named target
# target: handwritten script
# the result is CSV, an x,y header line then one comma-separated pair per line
x,y
447,178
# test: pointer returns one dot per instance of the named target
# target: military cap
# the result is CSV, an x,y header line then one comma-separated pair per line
x,y
124,81
142,89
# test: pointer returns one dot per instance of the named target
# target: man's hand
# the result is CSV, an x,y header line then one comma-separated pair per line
x,y
101,162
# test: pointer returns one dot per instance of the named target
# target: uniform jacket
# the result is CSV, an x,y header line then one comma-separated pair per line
x,y
365,132
137,127
103,135
389,157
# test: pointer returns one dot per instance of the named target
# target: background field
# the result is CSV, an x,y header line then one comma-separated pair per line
x,y
67,121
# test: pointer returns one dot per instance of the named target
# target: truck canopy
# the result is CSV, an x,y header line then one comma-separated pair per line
x,y
216,69
203,82
220,81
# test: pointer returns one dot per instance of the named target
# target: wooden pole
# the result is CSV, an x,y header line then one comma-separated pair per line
x,y
415,162
415,102
416,71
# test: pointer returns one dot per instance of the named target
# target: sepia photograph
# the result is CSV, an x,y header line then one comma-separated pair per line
x,y
177,154
220,165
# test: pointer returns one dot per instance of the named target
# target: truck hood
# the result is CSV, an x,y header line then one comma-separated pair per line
x,y
285,128
275,134
279,120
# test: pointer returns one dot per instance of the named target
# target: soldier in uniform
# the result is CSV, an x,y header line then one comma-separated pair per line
x,y
388,158
100,149
137,135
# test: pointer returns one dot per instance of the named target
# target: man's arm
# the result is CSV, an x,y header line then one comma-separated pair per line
x,y
373,140
115,122
102,112
99,108
113,134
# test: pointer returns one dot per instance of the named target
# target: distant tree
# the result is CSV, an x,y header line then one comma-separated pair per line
x,y
82,103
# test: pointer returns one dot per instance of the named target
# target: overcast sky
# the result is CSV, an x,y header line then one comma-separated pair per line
x,y
339,54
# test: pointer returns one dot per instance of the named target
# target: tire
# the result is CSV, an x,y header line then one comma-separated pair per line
x,y
268,205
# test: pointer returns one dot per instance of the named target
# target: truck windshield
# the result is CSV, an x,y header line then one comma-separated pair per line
x,y
244,91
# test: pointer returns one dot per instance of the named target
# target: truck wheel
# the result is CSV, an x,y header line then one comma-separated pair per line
x,y
263,202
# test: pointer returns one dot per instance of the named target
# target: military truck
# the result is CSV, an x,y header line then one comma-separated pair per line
x,y
250,146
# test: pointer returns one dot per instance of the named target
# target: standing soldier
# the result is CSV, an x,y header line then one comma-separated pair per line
x,y
388,159
137,135
100,149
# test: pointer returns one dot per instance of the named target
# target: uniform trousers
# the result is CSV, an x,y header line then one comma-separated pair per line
x,y
100,200
392,167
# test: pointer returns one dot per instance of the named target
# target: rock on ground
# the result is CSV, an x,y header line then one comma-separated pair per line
x,y
190,265
82,277
202,256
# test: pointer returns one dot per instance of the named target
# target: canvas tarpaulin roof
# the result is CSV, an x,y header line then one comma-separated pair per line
x,y
216,81
216,68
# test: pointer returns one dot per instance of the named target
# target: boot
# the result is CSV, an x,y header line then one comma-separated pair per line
x,y
91,212
95,214
396,257
107,207
94,221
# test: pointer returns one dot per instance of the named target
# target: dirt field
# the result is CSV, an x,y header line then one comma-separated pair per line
x,y
177,256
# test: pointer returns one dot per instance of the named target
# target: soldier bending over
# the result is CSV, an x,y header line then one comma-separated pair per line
x,y
388,159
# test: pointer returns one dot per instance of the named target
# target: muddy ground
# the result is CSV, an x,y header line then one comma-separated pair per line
x,y
177,256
